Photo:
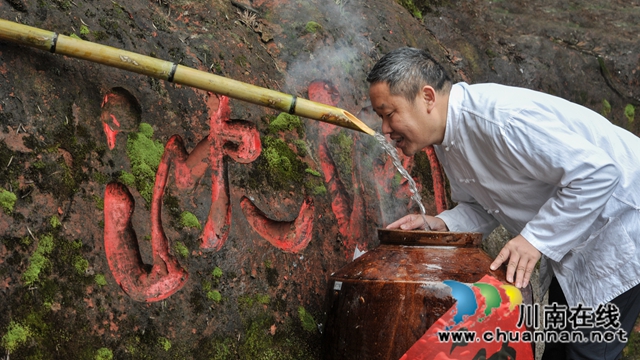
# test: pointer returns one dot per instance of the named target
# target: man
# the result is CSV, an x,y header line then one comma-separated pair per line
x,y
559,175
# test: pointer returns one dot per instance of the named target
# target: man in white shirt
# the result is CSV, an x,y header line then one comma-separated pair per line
x,y
559,175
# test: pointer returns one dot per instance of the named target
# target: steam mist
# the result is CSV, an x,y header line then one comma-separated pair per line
x,y
341,52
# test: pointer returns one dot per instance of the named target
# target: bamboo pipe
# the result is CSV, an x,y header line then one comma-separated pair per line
x,y
172,72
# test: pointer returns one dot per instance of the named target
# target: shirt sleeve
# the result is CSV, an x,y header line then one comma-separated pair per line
x,y
468,215
545,149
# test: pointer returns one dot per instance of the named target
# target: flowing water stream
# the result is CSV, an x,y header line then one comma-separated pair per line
x,y
415,195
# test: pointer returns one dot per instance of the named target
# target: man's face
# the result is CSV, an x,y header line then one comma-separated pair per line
x,y
411,125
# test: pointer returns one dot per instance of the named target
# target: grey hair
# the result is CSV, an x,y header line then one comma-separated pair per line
x,y
406,70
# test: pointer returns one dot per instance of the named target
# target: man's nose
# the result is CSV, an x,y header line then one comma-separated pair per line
x,y
386,129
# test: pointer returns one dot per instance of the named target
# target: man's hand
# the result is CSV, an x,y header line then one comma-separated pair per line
x,y
522,258
416,221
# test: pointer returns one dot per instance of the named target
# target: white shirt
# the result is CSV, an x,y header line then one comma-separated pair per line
x,y
553,171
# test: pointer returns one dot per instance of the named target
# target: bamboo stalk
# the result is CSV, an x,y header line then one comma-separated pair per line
x,y
166,70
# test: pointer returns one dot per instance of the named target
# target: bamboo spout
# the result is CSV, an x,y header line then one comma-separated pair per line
x,y
172,72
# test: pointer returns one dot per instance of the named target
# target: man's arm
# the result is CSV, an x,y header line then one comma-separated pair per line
x,y
546,150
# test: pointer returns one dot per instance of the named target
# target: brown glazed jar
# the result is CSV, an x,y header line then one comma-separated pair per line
x,y
380,304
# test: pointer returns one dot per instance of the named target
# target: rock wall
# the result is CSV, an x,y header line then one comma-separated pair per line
x,y
147,220
144,219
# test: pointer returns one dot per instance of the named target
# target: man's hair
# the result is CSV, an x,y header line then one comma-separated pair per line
x,y
406,70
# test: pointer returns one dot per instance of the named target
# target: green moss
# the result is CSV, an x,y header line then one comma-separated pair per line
x,y
248,301
104,354
55,222
312,172
80,264
165,343
341,147
214,295
263,299
189,220
146,130
312,27
606,108
301,147
632,350
7,200
100,280
99,202
319,190
17,334
223,350
84,30
315,184
216,273
286,122
181,249
100,35
26,241
127,178
241,61
264,338
397,180
73,35
206,285
100,178
490,53
144,154
281,165
267,264
38,260
630,112
411,7
258,343
308,322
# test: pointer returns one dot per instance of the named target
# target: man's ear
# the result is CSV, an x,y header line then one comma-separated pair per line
x,y
428,95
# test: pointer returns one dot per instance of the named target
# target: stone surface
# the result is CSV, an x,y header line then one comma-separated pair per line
x,y
289,217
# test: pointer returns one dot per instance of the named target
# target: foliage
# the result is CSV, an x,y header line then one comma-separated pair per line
x,y
80,264
165,343
312,27
16,335
181,249
214,295
312,172
127,178
411,7
100,280
341,147
286,122
217,272
630,112
55,222
104,354
281,164
38,260
189,220
145,155
606,108
7,200
308,322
